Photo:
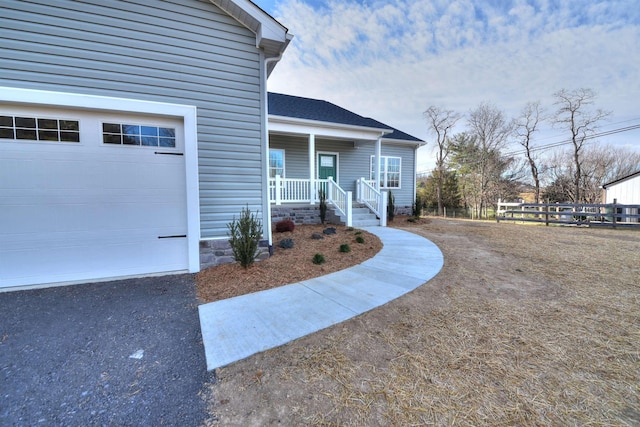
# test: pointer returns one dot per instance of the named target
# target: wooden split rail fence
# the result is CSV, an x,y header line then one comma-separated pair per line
x,y
585,214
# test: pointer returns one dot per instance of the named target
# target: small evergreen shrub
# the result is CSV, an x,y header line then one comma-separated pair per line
x,y
345,248
323,205
285,225
391,207
416,208
286,243
350,228
358,233
244,237
319,259
360,239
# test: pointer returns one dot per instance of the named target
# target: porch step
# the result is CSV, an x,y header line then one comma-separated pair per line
x,y
362,217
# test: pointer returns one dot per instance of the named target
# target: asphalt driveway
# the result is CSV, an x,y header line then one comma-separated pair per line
x,y
126,352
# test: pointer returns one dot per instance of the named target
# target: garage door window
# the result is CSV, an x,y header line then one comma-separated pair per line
x,y
140,135
39,129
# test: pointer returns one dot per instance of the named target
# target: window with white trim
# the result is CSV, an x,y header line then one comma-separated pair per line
x,y
39,129
390,169
276,162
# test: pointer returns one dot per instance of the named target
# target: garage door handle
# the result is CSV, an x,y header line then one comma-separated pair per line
x,y
172,237
169,154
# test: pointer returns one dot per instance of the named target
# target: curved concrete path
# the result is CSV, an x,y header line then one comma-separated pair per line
x,y
236,328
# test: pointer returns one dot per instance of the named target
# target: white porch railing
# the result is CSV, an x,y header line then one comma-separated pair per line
x,y
373,199
340,199
295,190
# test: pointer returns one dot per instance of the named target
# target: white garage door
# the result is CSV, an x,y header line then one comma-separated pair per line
x,y
87,196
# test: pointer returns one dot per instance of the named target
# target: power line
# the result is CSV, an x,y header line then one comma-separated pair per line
x,y
570,141
634,119
558,143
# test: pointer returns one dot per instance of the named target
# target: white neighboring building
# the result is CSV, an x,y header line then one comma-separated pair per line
x,y
626,191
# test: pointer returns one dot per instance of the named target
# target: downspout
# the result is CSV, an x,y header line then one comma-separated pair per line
x,y
415,174
266,140
382,207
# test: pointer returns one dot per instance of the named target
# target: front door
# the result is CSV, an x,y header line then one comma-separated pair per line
x,y
328,166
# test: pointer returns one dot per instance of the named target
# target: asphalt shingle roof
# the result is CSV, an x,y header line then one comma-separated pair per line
x,y
323,111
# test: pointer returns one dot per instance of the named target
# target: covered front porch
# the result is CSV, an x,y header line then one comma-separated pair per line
x,y
316,147
308,159
349,208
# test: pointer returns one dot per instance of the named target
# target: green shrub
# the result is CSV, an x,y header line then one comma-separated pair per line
x,y
416,208
360,239
344,248
350,228
286,243
323,205
391,207
319,259
357,233
244,237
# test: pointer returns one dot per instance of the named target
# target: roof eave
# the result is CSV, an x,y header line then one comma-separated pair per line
x,y
271,36
323,124
418,143
619,180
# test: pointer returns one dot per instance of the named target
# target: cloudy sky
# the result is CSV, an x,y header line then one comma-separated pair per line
x,y
392,59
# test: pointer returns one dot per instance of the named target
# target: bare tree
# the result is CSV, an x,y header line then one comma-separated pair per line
x,y
488,124
524,128
576,115
441,122
602,164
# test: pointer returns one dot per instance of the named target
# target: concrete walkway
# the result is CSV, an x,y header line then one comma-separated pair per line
x,y
236,328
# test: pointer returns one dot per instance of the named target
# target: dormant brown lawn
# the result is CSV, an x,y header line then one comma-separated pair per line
x,y
525,325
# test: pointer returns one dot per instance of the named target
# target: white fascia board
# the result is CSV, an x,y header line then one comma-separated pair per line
x,y
402,142
263,25
188,113
291,125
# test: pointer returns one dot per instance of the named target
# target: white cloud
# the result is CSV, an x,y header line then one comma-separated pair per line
x,y
391,60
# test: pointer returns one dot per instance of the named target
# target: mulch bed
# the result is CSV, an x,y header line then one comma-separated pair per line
x,y
288,266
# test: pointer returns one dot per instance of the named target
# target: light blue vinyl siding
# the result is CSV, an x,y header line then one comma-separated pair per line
x,y
296,154
177,51
353,163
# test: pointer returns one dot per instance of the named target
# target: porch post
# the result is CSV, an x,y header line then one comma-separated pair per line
x,y
384,202
278,190
377,162
313,188
349,209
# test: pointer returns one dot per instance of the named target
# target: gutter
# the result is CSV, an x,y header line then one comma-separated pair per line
x,y
265,136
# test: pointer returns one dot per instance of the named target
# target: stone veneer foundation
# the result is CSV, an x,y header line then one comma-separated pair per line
x,y
299,214
216,252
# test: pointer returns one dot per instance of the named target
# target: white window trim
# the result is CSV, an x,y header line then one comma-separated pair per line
x,y
284,169
187,113
384,172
